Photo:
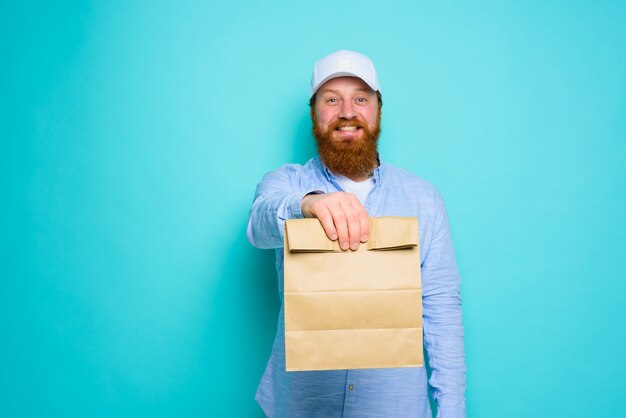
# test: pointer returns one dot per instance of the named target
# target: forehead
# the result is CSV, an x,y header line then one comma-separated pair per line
x,y
345,85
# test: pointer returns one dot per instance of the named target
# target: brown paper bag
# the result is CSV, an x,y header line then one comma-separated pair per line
x,y
353,309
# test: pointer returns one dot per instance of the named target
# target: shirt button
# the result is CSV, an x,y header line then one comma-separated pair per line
x,y
350,387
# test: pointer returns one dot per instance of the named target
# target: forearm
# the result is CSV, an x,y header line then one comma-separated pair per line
x,y
443,326
269,212
444,342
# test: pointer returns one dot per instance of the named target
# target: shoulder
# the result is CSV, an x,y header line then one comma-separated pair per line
x,y
295,170
312,165
415,192
398,177
292,175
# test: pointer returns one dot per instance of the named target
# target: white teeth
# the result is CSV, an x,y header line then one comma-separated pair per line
x,y
347,128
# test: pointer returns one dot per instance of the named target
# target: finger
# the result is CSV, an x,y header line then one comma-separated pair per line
x,y
365,225
326,220
363,218
339,219
354,225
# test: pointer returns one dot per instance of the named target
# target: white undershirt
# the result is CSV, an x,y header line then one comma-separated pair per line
x,y
360,188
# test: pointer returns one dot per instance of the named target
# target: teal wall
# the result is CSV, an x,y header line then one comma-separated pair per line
x,y
132,137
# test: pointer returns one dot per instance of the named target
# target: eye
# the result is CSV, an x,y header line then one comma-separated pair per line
x,y
331,100
361,100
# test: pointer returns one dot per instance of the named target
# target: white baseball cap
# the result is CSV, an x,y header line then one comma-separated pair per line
x,y
344,64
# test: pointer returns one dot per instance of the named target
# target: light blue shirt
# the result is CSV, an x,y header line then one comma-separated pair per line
x,y
401,392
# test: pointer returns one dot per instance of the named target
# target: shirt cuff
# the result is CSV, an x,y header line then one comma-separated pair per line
x,y
451,409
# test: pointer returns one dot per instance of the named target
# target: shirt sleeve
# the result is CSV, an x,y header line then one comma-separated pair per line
x,y
443,328
275,201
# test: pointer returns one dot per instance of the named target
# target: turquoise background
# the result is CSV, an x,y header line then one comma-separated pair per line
x,y
133,135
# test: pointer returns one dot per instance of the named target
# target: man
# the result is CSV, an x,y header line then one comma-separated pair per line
x,y
342,187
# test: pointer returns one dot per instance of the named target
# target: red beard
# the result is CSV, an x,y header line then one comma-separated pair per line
x,y
351,158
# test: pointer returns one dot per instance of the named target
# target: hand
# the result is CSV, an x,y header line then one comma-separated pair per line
x,y
342,216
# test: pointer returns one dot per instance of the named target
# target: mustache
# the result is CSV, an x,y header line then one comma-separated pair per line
x,y
343,123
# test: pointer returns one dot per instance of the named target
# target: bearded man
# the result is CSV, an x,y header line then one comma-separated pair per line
x,y
342,187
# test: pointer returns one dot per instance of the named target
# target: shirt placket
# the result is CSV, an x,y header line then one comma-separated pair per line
x,y
350,393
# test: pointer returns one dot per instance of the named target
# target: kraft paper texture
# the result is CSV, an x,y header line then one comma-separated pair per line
x,y
353,309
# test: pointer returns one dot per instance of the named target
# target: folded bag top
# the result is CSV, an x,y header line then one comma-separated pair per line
x,y
386,233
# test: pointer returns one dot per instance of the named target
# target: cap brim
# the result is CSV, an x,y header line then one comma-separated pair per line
x,y
341,74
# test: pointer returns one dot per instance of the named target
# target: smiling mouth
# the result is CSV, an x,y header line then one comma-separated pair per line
x,y
347,128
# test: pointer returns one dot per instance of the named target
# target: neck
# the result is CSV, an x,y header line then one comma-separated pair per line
x,y
354,177
360,178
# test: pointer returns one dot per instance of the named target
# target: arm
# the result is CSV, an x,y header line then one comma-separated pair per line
x,y
275,201
341,214
443,328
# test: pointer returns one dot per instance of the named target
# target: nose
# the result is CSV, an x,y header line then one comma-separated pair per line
x,y
347,110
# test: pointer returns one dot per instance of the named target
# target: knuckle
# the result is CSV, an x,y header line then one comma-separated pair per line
x,y
324,217
340,217
352,218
